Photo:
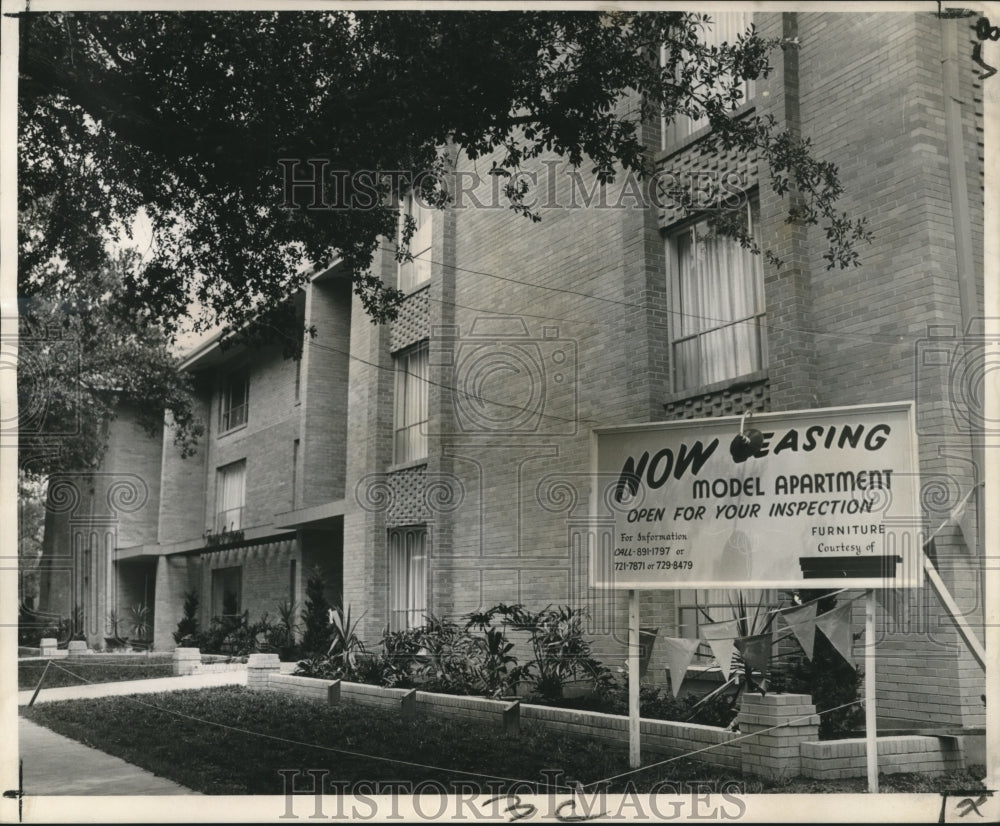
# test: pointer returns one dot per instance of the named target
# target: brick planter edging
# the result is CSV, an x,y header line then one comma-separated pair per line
x,y
781,743
834,759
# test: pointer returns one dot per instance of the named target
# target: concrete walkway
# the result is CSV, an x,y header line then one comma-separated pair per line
x,y
81,692
56,765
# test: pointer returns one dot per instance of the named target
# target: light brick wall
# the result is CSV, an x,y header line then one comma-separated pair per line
x,y
325,369
834,759
183,506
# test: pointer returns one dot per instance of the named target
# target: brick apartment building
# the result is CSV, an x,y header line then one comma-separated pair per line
x,y
440,463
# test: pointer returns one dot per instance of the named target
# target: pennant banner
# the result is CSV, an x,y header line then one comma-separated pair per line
x,y
836,627
802,621
756,653
721,636
680,652
964,517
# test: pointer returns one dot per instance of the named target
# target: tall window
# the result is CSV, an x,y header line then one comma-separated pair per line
x,y
229,496
718,329
295,472
411,404
724,28
407,577
234,402
418,271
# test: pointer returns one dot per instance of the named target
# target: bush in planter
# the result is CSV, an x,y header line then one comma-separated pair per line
x,y
828,678
187,634
344,654
280,636
561,654
449,659
316,616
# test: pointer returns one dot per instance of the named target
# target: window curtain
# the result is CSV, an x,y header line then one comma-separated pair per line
x,y
719,296
232,488
416,272
407,577
412,375
724,28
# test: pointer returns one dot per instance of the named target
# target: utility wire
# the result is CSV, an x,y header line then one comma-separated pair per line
x,y
318,746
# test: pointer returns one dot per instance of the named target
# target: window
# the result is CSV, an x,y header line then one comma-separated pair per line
x,y
418,271
227,588
693,604
724,28
229,497
411,404
407,577
718,329
295,471
234,402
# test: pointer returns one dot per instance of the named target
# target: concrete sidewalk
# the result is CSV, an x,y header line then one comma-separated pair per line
x,y
80,692
56,765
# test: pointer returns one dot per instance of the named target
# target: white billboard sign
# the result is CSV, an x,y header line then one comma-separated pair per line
x,y
807,499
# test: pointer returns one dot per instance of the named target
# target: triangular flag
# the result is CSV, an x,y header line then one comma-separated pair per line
x,y
720,636
756,652
836,627
802,621
964,517
680,652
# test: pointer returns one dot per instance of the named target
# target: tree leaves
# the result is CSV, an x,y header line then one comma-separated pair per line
x,y
188,115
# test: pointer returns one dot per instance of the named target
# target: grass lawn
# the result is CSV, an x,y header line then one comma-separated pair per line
x,y
93,670
257,733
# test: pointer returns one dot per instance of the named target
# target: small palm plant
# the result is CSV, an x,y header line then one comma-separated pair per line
x,y
345,646
139,617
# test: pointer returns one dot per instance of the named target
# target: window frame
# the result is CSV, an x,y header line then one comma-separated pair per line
x,y
220,473
758,318
723,611
405,445
415,274
683,128
226,405
416,558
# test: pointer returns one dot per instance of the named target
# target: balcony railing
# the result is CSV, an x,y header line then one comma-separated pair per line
x,y
227,521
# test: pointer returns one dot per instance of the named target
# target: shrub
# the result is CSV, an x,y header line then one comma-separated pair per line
x,y
280,637
344,654
316,616
828,678
187,634
560,652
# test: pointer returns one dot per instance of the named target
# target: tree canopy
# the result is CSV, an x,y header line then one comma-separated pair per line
x,y
84,351
187,116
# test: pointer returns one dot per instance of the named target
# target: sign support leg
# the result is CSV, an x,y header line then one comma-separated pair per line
x,y
634,759
871,733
